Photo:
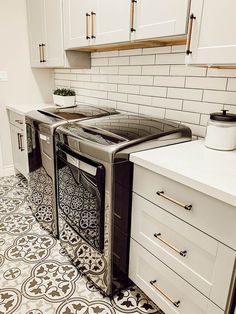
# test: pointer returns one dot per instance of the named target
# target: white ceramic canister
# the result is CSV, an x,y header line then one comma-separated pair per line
x,y
221,131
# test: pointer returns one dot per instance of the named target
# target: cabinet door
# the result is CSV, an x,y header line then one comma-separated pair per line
x,y
113,21
213,39
77,22
19,150
158,18
53,25
35,11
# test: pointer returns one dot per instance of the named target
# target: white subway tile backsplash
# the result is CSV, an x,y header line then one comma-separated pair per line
x,y
141,80
155,70
140,100
231,86
152,111
171,58
153,91
109,70
119,61
129,89
124,106
170,81
204,119
153,81
220,97
206,83
130,70
167,103
185,70
99,62
117,96
201,107
184,93
183,116
119,79
141,60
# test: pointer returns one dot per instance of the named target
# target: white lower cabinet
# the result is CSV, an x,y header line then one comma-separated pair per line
x,y
182,245
195,256
168,290
19,149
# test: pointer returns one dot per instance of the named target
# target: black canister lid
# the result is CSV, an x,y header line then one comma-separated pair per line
x,y
223,116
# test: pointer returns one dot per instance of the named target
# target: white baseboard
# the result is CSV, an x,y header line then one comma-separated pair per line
x,y
7,171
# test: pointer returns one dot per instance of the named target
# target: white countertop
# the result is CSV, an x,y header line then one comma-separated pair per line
x,y
24,108
209,171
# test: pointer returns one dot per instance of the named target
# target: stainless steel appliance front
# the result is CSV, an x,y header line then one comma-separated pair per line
x,y
40,126
105,142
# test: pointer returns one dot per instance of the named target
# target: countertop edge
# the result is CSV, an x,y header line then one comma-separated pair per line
x,y
190,182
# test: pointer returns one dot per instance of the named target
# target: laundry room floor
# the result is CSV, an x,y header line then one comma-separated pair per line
x,y
36,277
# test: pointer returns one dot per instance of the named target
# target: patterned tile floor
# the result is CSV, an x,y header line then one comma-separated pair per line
x,y
35,275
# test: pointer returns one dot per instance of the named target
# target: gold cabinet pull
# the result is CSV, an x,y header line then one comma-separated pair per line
x,y
40,53
158,236
87,25
190,28
132,15
43,53
92,25
175,303
161,193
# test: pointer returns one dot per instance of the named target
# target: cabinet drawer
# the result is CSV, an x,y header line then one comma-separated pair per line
x,y
192,254
205,214
17,119
167,288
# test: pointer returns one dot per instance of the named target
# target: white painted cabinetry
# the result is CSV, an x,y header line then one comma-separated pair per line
x,y
182,245
157,18
213,37
45,26
96,22
19,143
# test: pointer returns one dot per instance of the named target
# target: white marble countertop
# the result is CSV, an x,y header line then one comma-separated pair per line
x,y
24,108
209,171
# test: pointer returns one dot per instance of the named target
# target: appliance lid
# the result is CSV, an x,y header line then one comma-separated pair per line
x,y
76,112
121,128
53,115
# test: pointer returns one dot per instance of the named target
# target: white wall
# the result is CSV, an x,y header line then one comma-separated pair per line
x,y
24,85
154,81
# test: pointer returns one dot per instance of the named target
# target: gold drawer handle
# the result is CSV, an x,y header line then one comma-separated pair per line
x,y
175,303
182,253
161,193
189,36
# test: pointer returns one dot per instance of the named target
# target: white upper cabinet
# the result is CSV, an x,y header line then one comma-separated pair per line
x,y
212,33
96,22
113,21
45,26
77,21
45,32
158,18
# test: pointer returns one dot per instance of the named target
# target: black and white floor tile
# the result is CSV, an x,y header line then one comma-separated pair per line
x,y
35,275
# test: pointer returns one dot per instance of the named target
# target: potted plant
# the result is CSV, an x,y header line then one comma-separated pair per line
x,y
64,97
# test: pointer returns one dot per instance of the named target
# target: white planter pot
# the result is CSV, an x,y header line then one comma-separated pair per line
x,y
64,101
